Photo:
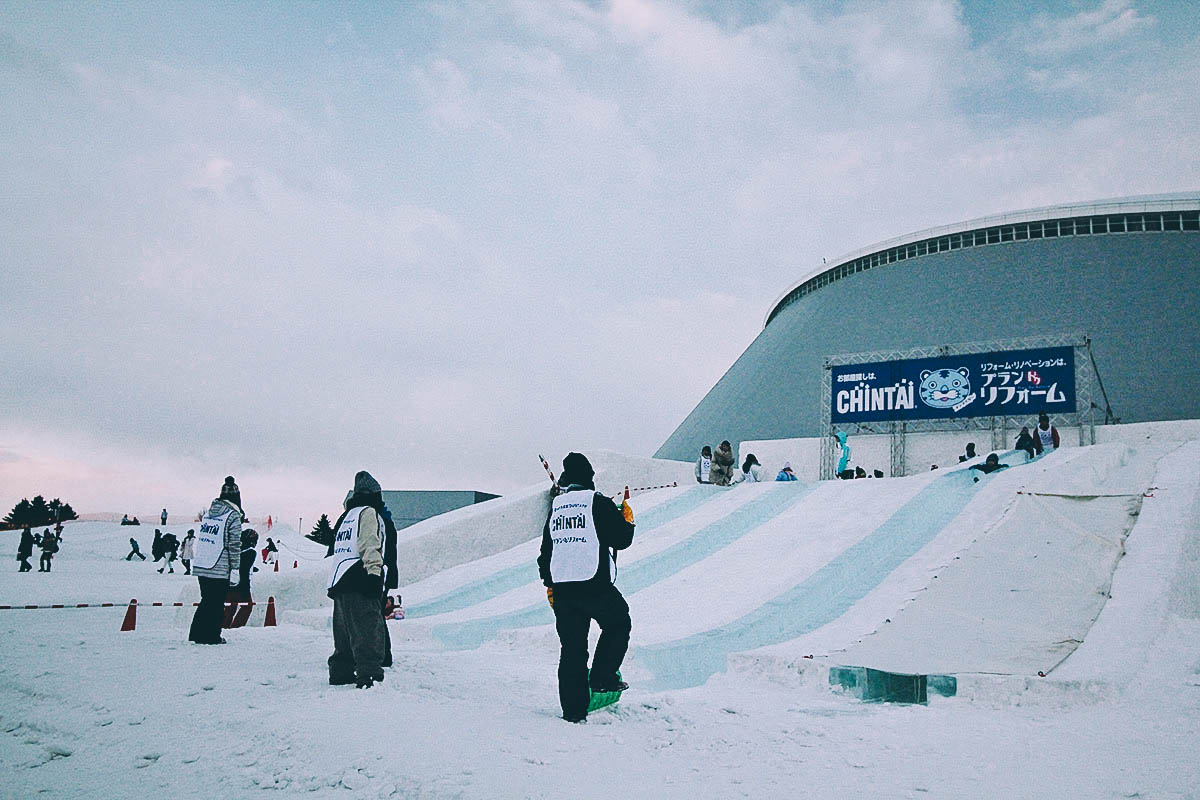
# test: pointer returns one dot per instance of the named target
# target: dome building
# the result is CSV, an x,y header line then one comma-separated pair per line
x,y
1124,272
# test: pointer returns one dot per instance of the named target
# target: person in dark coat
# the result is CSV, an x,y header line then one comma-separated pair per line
x,y
356,585
391,579
134,550
238,598
25,550
156,547
170,548
1025,442
577,564
990,464
969,454
49,544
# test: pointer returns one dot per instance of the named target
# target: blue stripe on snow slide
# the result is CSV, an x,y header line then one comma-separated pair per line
x,y
705,542
517,576
822,597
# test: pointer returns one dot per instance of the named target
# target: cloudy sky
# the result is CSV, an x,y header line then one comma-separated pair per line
x,y
291,240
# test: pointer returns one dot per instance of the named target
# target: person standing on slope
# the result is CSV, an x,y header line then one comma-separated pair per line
x,y
721,473
704,464
1045,435
356,584
186,551
25,550
216,553
578,566
49,544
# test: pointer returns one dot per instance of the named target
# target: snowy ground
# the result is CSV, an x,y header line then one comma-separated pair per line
x,y
87,711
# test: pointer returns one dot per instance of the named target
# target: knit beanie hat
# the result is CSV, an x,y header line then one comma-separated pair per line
x,y
230,492
576,470
365,484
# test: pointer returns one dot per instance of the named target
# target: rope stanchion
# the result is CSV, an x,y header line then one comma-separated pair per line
x,y
129,622
671,485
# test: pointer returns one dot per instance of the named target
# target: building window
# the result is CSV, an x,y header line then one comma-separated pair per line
x,y
1172,221
1050,228
1099,224
1021,232
1035,230
1133,223
1083,225
1191,220
1066,227
1153,222
1116,224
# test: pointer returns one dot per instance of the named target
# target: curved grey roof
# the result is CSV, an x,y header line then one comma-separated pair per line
x,y
1176,201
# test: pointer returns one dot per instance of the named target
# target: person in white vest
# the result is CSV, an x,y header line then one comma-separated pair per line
x,y
215,562
578,565
356,584
704,464
1045,435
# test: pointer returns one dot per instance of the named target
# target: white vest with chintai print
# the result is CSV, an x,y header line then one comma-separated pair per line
x,y
345,546
575,555
210,541
705,469
1046,437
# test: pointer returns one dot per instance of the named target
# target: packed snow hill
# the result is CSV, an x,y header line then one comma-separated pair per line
x,y
1050,612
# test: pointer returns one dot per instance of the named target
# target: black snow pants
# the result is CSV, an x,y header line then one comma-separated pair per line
x,y
206,622
359,634
574,609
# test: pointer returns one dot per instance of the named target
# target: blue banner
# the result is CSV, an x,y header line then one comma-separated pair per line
x,y
1006,383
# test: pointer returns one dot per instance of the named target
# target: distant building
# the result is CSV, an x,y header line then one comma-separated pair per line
x,y
1126,272
410,507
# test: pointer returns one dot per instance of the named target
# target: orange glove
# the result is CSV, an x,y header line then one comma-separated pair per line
x,y
550,595
627,512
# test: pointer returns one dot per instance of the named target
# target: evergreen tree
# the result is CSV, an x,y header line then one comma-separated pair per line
x,y
20,516
323,532
38,512
60,511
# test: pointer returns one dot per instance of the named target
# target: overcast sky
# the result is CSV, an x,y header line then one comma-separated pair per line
x,y
287,241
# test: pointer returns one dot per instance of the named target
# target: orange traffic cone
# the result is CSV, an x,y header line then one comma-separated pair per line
x,y
295,564
269,622
276,565
130,616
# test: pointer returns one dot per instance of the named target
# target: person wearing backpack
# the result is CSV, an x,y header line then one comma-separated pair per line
x,y
49,548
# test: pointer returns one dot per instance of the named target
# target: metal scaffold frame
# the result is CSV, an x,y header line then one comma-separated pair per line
x,y
997,426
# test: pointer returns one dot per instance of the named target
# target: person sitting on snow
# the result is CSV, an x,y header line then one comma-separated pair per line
x,y
786,473
989,465
751,471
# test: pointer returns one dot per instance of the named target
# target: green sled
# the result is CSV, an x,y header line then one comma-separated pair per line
x,y
599,700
